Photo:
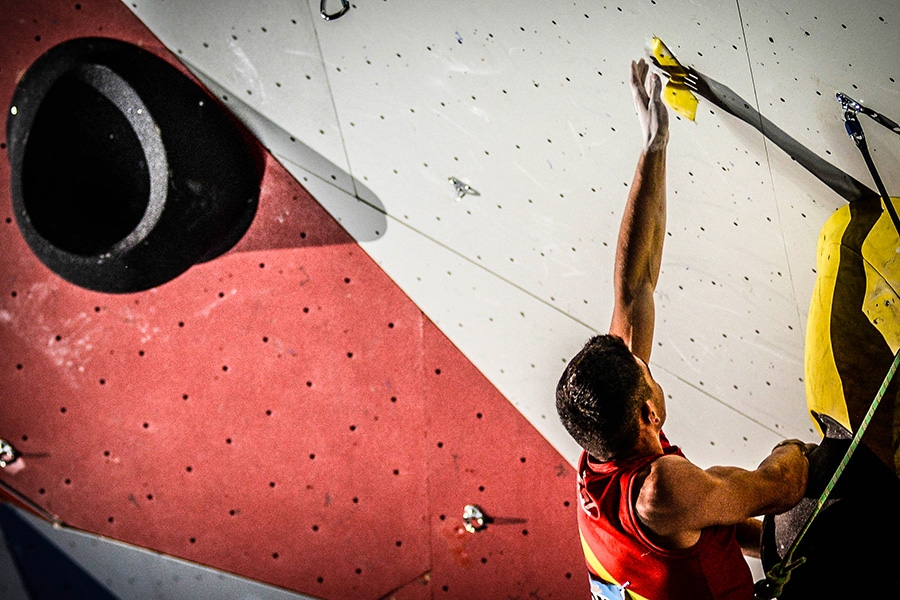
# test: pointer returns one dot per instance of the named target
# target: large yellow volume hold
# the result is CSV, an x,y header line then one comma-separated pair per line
x,y
853,327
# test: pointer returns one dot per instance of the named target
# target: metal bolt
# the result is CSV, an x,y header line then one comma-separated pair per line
x,y
473,518
8,454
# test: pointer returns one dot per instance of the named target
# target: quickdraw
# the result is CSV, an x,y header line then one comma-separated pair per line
x,y
854,129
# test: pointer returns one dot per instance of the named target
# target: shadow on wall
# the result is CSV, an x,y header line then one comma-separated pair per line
x,y
125,172
367,213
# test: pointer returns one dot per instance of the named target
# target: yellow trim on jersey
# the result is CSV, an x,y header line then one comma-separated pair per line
x,y
599,569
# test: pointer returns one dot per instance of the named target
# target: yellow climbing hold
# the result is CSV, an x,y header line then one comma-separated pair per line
x,y
676,93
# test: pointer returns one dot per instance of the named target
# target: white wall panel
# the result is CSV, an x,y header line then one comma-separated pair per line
x,y
265,53
804,52
532,109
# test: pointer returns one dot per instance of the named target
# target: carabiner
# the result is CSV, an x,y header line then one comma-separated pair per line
x,y
345,6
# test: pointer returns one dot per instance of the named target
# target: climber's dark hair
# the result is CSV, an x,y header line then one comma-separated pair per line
x,y
599,396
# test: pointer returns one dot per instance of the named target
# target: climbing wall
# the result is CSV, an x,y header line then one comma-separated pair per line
x,y
283,412
365,120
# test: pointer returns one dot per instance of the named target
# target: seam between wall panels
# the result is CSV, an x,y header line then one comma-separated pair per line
x,y
699,389
766,143
337,116
426,413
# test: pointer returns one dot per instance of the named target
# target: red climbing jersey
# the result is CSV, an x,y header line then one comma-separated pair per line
x,y
623,563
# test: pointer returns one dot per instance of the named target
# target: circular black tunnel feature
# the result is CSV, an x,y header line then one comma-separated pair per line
x,y
125,173
85,181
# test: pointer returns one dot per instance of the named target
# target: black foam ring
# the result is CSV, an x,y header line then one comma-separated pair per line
x,y
125,172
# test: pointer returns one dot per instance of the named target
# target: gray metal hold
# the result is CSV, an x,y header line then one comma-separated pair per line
x,y
473,518
8,454
463,189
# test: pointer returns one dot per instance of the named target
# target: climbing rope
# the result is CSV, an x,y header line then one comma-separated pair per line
x,y
778,575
